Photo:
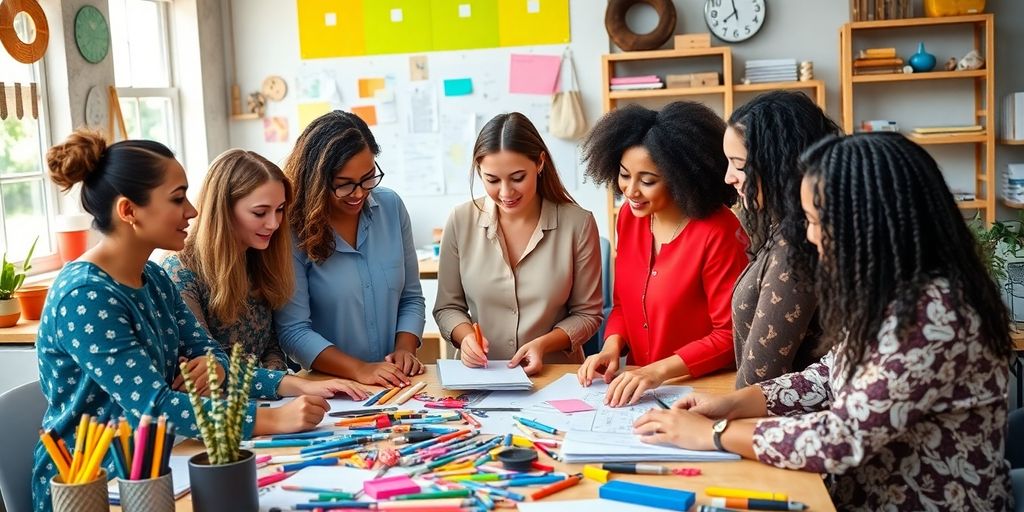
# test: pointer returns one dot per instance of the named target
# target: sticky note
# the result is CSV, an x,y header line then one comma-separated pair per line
x,y
418,68
534,74
368,87
571,405
330,19
367,113
396,15
458,87
310,111
533,6
465,11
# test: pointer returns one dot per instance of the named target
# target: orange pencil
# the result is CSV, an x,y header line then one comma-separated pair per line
x,y
480,339
63,448
388,396
58,459
555,487
158,448
80,435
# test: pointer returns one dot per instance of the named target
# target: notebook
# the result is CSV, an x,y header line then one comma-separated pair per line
x,y
179,477
497,376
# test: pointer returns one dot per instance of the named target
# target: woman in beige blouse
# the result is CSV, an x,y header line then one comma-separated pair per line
x,y
524,262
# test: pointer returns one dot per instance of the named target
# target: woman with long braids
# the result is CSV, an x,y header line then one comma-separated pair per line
x,y
907,411
774,310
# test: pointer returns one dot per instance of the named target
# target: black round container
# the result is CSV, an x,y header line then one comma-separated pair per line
x,y
216,488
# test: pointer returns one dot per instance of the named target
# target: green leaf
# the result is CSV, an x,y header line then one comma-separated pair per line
x,y
26,265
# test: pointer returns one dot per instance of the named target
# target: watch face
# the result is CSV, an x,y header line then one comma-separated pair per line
x,y
720,425
734,20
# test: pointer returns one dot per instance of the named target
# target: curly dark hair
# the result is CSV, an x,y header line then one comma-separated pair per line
x,y
324,147
685,141
776,127
889,226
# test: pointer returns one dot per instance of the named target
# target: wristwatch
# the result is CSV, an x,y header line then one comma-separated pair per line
x,y
717,429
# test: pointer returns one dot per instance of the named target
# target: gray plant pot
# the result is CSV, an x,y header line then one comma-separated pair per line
x,y
217,488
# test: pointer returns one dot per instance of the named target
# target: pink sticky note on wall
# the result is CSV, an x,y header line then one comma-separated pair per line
x,y
570,406
534,74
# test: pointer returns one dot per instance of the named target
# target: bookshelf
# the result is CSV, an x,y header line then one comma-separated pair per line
x,y
728,91
983,142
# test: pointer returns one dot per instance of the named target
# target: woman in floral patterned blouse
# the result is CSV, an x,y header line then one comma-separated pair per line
x,y
907,411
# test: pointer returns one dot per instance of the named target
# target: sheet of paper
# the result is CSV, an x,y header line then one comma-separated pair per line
x,y
534,74
496,375
592,504
422,165
422,107
329,477
458,134
275,129
418,69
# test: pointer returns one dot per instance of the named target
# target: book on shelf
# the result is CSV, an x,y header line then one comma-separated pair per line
x,y
626,80
877,53
888,70
637,87
1013,117
879,125
877,63
946,130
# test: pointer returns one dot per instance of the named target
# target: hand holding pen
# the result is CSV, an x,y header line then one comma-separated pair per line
x,y
473,348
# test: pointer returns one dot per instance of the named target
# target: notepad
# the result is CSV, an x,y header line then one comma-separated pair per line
x,y
497,376
179,478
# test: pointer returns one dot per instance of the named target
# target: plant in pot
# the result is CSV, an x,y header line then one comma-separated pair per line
x,y
997,242
10,280
224,465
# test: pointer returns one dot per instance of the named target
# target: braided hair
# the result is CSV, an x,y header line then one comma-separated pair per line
x,y
776,127
889,227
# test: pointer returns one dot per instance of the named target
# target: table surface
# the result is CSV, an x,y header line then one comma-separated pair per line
x,y
807,488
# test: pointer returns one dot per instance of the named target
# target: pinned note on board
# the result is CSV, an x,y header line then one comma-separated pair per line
x,y
534,74
418,68
458,87
310,111
368,87
367,113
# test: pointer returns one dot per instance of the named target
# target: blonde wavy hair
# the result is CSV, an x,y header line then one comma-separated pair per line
x,y
211,249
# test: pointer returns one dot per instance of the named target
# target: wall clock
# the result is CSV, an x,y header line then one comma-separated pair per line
x,y
92,35
274,88
734,20
96,107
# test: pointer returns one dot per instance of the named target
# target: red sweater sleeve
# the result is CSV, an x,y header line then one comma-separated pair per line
x,y
724,261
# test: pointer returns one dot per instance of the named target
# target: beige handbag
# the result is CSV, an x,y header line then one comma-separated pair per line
x,y
567,118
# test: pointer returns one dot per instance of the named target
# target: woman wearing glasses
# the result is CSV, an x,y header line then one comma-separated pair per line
x,y
358,309
524,262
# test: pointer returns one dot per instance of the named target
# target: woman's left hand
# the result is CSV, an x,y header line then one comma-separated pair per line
x,y
292,385
198,374
628,387
531,356
678,427
405,361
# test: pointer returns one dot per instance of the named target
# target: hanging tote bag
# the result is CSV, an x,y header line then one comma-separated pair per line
x,y
567,118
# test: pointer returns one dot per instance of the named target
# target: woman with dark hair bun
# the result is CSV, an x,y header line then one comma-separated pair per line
x,y
774,311
907,410
679,250
114,326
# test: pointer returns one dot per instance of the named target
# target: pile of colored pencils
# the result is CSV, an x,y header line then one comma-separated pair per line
x,y
93,439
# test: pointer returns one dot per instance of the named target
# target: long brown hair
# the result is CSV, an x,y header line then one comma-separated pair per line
x,y
514,132
324,147
211,249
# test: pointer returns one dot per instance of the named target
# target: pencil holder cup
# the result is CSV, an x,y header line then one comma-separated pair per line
x,y
219,487
88,497
151,495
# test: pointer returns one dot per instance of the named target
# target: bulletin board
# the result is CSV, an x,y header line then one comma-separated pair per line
x,y
425,109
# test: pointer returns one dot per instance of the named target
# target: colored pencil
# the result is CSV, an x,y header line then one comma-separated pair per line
x,y
58,458
480,339
141,436
102,445
388,396
83,429
557,486
158,447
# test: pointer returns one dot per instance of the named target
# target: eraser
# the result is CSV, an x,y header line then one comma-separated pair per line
x,y
595,473
384,488
649,495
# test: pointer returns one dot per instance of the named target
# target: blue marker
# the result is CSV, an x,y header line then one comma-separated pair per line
x,y
493,490
373,399
303,435
536,425
534,480
329,461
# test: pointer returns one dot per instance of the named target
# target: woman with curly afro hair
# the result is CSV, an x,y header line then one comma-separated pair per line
x,y
774,311
679,248
358,309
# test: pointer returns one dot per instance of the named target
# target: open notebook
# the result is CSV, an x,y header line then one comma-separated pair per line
x,y
497,376
179,476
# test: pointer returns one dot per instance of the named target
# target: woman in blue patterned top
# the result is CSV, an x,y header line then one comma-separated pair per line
x,y
113,326
358,309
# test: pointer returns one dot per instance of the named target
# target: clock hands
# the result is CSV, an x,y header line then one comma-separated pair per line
x,y
734,13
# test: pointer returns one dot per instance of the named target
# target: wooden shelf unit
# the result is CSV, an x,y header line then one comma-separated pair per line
x,y
984,142
1008,142
610,99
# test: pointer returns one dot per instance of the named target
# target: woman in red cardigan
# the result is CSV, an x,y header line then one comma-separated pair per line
x,y
679,248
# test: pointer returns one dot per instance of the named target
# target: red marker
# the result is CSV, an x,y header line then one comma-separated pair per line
x,y
557,486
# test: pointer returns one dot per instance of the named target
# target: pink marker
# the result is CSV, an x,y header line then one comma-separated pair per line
x,y
141,436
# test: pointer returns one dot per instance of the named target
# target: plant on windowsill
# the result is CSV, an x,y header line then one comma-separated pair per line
x,y
10,280
997,242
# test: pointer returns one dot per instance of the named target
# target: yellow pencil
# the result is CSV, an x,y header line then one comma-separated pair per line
x,y
158,446
124,430
95,458
388,396
80,435
91,438
58,459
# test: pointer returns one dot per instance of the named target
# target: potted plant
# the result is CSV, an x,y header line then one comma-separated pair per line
x,y
997,242
224,465
10,281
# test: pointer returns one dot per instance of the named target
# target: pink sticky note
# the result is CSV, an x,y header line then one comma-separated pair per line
x,y
384,488
534,74
570,406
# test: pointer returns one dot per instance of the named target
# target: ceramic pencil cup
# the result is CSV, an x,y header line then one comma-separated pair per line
x,y
88,497
149,495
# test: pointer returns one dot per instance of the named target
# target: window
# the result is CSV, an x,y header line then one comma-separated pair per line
x,y
140,41
27,198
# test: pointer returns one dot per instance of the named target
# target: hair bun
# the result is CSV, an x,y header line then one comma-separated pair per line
x,y
76,158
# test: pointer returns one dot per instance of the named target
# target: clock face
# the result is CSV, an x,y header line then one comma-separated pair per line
x,y
92,34
274,88
734,20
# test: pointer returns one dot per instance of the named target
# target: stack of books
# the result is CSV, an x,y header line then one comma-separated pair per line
x,y
771,70
636,83
877,61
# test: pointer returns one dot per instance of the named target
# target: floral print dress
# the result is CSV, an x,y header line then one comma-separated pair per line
x,y
921,425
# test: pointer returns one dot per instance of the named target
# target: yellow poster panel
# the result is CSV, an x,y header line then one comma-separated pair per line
x,y
397,26
310,111
530,22
464,24
331,28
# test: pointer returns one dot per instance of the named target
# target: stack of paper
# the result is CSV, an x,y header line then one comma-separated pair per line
x,y
497,376
179,478
771,70
635,83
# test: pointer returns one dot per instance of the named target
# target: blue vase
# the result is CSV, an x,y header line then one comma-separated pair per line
x,y
922,61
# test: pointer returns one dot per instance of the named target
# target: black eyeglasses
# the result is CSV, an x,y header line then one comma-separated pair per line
x,y
368,183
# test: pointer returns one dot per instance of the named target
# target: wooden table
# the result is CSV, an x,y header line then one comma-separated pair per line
x,y
804,487
428,268
22,333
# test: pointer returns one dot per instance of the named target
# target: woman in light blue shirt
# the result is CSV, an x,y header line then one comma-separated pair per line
x,y
358,309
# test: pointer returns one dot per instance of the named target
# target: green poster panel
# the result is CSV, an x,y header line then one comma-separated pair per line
x,y
331,28
397,26
464,24
530,22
